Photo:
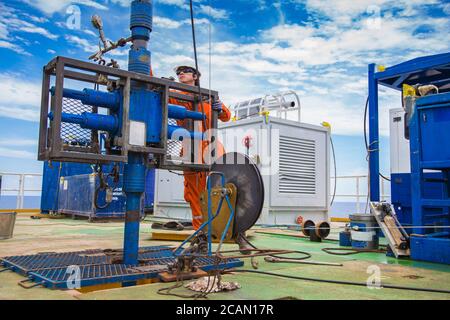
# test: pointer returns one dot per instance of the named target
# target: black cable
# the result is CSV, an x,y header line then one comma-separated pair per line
x,y
194,42
365,136
361,284
306,255
350,251
335,170
103,186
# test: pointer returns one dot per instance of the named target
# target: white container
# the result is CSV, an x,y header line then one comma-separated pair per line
x,y
7,221
295,146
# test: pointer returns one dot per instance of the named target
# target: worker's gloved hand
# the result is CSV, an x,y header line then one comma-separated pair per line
x,y
217,106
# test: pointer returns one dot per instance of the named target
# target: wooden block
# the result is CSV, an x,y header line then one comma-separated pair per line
x,y
396,234
169,235
169,277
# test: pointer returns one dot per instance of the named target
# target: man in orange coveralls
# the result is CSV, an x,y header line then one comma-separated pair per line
x,y
195,183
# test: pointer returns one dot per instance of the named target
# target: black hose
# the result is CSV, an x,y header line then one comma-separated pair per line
x,y
352,283
306,255
96,193
349,251
194,42
335,170
365,135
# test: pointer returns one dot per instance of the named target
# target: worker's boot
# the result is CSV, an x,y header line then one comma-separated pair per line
x,y
244,247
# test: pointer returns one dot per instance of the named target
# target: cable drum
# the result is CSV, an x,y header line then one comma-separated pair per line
x,y
238,169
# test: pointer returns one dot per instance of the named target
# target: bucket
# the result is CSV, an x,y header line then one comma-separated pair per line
x,y
7,221
363,231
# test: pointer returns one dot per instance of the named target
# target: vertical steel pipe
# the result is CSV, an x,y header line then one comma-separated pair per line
x,y
134,173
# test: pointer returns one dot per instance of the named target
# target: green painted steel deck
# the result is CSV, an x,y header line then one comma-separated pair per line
x,y
62,235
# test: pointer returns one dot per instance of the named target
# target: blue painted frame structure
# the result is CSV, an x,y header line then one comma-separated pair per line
x,y
433,69
429,120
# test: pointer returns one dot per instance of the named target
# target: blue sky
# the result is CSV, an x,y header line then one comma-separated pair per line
x,y
318,48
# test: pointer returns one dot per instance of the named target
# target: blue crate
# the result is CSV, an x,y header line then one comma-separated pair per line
x,y
434,117
401,195
51,197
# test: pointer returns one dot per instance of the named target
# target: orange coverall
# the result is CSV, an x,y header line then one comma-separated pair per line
x,y
195,182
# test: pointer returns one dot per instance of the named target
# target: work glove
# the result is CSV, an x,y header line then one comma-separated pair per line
x,y
217,106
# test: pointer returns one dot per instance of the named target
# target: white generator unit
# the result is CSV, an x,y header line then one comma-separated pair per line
x,y
293,158
399,146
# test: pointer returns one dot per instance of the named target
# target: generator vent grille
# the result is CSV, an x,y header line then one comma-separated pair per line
x,y
297,174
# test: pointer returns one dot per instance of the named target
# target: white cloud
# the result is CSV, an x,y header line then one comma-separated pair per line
x,y
345,10
51,6
167,23
14,22
17,142
3,31
178,3
81,43
33,29
20,113
123,3
163,22
20,97
213,12
90,32
13,47
20,154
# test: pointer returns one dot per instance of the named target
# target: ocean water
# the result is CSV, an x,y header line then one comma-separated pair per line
x,y
339,209
29,202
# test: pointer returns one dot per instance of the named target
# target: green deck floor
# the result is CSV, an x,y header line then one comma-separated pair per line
x,y
33,236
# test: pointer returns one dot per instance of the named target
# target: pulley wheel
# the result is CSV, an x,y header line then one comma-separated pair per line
x,y
307,227
238,169
323,229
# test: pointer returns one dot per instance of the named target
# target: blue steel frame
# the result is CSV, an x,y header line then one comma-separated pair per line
x,y
433,69
424,70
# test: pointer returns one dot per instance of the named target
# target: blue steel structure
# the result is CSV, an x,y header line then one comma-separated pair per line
x,y
428,193
135,129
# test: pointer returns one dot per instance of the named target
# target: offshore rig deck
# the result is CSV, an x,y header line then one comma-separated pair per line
x,y
63,235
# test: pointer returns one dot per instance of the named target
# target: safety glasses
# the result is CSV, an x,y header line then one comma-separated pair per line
x,y
185,70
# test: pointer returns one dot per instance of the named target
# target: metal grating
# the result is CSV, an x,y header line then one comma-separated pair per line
x,y
73,134
297,173
95,266
173,146
28,263
61,278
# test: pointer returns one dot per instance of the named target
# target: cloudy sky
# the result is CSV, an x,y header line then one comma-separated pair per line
x,y
318,48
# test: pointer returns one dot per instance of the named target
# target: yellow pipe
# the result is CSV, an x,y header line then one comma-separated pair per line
x,y
335,219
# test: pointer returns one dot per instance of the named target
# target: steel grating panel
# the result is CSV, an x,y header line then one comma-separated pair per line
x,y
95,267
61,278
28,263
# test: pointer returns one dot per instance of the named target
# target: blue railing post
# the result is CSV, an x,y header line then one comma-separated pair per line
x,y
374,161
